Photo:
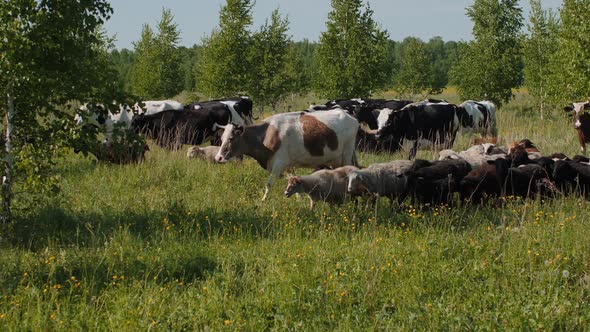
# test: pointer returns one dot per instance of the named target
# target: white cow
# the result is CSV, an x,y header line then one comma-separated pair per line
x,y
296,139
99,120
478,117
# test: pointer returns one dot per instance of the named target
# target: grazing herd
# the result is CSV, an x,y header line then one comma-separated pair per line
x,y
327,137
482,174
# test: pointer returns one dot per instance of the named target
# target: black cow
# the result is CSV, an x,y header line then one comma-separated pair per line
x,y
437,123
171,129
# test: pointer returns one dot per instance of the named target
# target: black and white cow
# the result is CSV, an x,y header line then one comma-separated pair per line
x,y
367,111
240,108
156,106
581,122
477,117
436,123
194,124
101,117
366,140
296,139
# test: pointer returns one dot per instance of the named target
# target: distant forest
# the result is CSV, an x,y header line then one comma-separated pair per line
x,y
442,54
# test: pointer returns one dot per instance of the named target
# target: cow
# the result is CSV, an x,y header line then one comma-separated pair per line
x,y
581,122
100,115
123,117
293,139
477,117
157,106
433,122
240,108
375,118
91,114
197,122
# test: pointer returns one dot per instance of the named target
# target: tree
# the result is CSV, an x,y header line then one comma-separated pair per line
x,y
270,81
491,66
538,47
49,54
156,71
570,63
416,74
123,61
352,55
223,66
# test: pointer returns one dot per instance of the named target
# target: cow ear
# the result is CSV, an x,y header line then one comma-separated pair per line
x,y
568,108
587,106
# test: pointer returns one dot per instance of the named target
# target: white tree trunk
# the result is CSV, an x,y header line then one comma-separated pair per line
x,y
7,178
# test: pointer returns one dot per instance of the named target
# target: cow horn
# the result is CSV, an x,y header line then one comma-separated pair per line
x,y
363,126
217,126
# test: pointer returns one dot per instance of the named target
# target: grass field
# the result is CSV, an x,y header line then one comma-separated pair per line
x,y
178,244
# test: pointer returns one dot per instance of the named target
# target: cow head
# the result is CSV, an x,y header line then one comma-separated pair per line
x,y
293,186
232,142
577,108
366,115
396,125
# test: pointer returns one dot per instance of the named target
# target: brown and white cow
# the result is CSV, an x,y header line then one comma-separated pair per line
x,y
297,139
581,122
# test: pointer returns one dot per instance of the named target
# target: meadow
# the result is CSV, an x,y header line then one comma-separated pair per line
x,y
178,244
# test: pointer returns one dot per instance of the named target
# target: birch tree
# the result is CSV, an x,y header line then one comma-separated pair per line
x,y
352,55
490,66
50,53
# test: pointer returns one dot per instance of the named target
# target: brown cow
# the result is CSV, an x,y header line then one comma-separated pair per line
x,y
581,122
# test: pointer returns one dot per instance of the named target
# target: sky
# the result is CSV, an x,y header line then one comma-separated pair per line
x,y
197,18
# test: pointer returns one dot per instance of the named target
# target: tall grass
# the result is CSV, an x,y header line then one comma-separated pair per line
x,y
178,244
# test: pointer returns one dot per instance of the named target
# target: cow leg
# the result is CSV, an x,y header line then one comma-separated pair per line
x,y
276,171
414,149
311,203
269,182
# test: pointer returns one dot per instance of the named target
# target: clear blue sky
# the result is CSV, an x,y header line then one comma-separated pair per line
x,y
196,18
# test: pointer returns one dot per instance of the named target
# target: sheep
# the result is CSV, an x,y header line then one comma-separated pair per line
x,y
434,182
482,180
324,185
206,153
530,148
526,180
473,159
572,176
384,180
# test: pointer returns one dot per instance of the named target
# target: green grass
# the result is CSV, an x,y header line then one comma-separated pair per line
x,y
178,244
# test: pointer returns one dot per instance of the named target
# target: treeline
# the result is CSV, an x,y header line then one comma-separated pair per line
x,y
441,56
